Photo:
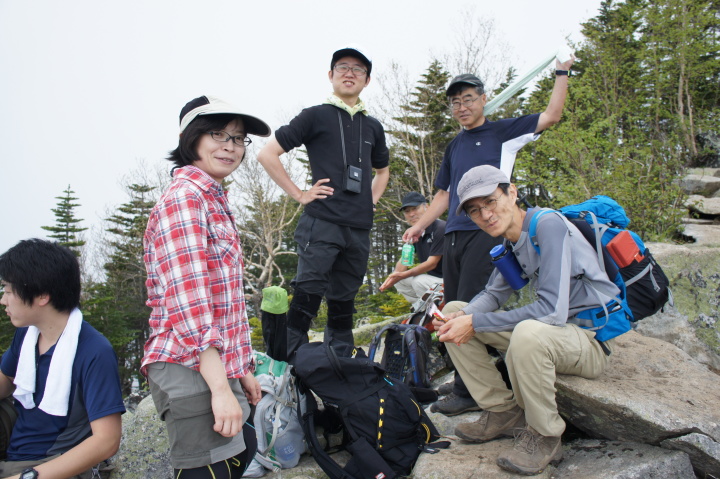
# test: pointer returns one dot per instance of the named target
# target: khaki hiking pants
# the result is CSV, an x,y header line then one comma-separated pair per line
x,y
414,287
534,352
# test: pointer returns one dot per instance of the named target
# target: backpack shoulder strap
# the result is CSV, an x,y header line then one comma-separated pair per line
x,y
532,230
410,340
326,463
376,341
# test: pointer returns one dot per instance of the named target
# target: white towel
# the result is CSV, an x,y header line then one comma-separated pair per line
x,y
57,388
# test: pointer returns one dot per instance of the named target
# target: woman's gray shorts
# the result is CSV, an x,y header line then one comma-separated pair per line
x,y
183,400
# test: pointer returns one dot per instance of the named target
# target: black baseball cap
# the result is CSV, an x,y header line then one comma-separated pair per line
x,y
352,51
467,79
412,199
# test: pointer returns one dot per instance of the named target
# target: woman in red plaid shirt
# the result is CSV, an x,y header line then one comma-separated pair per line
x,y
198,359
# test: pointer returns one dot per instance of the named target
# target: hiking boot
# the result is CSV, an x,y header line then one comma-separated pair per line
x,y
492,425
452,405
531,453
445,389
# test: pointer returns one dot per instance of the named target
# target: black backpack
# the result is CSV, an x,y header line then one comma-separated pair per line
x,y
385,427
406,353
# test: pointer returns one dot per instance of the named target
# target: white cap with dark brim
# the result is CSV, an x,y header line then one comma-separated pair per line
x,y
210,105
479,182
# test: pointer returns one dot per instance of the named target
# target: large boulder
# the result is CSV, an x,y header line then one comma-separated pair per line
x,y
694,324
704,171
703,205
703,185
651,392
583,459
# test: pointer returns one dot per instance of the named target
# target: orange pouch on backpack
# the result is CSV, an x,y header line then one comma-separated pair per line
x,y
624,250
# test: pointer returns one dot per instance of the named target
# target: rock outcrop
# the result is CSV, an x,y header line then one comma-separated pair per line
x,y
655,409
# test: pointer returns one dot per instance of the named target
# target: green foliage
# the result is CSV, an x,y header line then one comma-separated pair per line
x,y
379,306
7,331
626,131
256,336
117,306
393,304
66,230
514,107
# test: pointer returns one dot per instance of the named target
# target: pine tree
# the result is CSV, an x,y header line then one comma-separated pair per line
x,y
420,133
117,308
514,107
66,230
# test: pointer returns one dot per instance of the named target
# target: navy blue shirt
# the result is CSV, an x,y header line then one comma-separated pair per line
x,y
94,393
493,143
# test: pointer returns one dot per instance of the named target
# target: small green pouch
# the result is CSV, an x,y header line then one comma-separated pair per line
x,y
264,364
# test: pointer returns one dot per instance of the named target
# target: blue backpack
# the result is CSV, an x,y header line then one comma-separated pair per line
x,y
643,284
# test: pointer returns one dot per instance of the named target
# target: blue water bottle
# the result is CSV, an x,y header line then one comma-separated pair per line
x,y
508,266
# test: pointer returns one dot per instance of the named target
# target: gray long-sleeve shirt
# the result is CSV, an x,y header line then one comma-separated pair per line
x,y
566,255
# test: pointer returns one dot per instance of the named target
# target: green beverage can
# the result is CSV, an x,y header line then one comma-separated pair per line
x,y
408,254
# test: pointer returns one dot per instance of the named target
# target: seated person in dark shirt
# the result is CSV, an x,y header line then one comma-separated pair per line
x,y
413,282
62,373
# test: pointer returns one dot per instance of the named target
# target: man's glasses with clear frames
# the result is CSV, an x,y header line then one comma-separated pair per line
x,y
343,68
467,103
474,212
223,137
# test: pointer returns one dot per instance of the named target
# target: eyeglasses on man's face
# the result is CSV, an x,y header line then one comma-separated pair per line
x,y
343,68
223,137
466,102
474,211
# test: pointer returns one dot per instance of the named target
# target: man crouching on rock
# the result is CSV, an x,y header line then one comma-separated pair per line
x,y
539,340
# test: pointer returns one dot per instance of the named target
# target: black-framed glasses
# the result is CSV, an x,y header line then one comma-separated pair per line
x,y
474,212
467,103
343,68
223,137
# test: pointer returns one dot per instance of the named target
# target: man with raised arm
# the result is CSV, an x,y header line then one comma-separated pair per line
x,y
481,142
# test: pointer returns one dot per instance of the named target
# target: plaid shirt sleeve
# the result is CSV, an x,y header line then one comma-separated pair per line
x,y
194,264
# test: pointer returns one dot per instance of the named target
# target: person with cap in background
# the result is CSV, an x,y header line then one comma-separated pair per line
x,y
412,283
198,357
539,339
466,259
344,145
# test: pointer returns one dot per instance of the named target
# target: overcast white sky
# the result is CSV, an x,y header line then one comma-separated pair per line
x,y
89,89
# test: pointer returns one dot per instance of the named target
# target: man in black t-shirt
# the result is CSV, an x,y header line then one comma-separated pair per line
x,y
345,145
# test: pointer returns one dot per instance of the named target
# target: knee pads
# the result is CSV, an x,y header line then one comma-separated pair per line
x,y
303,308
340,314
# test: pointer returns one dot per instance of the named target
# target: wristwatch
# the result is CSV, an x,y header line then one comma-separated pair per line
x,y
29,473
563,73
